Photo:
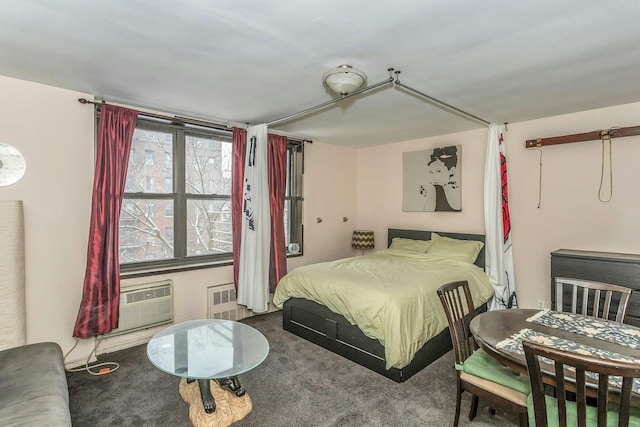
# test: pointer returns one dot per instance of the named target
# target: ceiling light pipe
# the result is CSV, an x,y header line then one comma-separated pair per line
x,y
325,104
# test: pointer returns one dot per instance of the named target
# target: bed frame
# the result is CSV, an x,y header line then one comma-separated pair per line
x,y
316,323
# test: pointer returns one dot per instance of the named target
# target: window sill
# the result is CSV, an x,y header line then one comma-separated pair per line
x,y
153,271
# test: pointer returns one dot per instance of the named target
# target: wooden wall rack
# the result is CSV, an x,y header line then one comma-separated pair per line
x,y
587,136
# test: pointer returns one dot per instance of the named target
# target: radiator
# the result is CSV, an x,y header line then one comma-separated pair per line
x,y
223,305
145,305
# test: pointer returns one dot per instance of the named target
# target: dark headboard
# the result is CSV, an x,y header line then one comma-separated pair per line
x,y
426,235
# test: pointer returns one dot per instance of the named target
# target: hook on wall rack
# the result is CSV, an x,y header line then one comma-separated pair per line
x,y
602,134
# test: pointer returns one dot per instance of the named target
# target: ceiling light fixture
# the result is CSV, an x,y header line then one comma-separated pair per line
x,y
344,79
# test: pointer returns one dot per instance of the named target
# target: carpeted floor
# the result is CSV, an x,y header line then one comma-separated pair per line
x,y
299,384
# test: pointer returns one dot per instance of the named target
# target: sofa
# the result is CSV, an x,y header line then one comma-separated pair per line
x,y
33,386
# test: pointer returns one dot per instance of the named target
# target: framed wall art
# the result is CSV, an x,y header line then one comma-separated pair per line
x,y
431,180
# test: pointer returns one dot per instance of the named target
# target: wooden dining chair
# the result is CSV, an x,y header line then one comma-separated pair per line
x,y
602,300
558,410
476,371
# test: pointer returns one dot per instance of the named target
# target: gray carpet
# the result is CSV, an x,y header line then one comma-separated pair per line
x,y
299,384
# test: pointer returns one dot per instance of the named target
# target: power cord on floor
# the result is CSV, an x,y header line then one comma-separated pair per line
x,y
511,302
105,367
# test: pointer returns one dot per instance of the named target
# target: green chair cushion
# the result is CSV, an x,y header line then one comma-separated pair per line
x,y
572,414
481,364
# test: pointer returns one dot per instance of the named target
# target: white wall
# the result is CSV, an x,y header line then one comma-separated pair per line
x,y
56,135
54,132
330,194
570,216
380,187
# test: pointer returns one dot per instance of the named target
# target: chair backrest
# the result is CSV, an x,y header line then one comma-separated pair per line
x,y
593,298
582,364
456,301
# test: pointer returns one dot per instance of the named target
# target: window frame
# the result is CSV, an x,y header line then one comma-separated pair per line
x,y
294,196
181,260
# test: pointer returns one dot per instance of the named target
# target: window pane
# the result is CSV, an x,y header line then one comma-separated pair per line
x,y
295,161
287,210
208,165
287,192
294,200
208,227
147,173
144,230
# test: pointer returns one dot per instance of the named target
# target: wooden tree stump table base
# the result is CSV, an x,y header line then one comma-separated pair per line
x,y
229,407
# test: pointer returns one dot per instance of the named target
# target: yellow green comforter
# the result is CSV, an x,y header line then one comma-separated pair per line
x,y
390,294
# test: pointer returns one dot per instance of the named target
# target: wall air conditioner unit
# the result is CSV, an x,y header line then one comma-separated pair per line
x,y
143,306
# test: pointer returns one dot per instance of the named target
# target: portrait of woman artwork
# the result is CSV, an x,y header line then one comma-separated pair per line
x,y
431,180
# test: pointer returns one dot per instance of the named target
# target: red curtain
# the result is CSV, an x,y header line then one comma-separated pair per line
x,y
237,191
277,158
99,308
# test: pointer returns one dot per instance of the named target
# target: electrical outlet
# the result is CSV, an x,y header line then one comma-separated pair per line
x,y
541,305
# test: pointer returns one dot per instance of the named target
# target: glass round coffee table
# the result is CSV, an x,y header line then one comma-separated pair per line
x,y
210,349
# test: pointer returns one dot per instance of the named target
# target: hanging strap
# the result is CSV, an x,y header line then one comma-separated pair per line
x,y
538,146
606,135
540,180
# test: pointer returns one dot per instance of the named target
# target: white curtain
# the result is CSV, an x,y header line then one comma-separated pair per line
x,y
498,251
253,274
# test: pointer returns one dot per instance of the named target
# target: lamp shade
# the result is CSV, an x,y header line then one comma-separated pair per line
x,y
344,79
362,239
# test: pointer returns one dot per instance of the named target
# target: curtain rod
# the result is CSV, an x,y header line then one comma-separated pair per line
x,y
389,80
440,103
324,104
178,119
187,120
382,83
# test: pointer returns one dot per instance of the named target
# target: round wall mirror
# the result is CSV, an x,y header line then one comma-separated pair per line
x,y
12,165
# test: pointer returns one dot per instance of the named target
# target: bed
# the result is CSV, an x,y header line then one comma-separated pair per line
x,y
316,308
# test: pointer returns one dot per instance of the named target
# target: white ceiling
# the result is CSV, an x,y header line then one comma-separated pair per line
x,y
254,61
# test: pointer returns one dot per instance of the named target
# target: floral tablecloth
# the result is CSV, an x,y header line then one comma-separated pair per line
x,y
618,333
514,344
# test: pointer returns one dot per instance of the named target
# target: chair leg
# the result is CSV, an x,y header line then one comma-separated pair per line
x,y
458,401
524,420
474,407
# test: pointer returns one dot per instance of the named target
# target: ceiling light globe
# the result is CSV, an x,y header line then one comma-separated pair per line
x,y
344,79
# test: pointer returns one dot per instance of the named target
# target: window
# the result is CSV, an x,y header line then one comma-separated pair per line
x,y
177,212
148,157
294,199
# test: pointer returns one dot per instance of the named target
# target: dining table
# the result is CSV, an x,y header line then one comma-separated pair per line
x,y
500,333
